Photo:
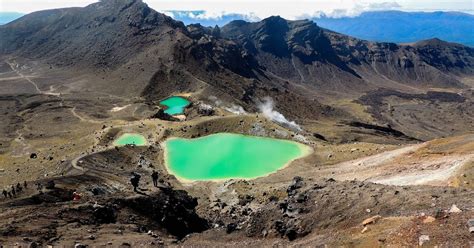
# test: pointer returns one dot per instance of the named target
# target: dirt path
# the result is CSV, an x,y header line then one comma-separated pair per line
x,y
13,65
364,168
431,177
297,70
73,111
398,167
26,148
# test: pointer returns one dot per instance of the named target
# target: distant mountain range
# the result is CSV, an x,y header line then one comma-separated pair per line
x,y
6,17
404,27
383,26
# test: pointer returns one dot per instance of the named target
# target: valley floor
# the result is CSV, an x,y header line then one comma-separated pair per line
x,y
410,187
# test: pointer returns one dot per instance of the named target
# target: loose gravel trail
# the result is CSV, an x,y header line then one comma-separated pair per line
x,y
400,167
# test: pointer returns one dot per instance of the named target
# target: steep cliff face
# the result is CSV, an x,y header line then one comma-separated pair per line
x,y
297,51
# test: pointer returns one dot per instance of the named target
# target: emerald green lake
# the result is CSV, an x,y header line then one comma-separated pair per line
x,y
225,156
175,105
131,139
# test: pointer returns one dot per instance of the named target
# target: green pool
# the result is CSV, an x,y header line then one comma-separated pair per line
x,y
225,156
175,105
131,139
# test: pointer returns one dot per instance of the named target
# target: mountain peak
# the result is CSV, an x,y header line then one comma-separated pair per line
x,y
117,2
274,21
275,18
117,5
433,42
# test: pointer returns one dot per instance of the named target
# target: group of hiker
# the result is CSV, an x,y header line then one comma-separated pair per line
x,y
135,179
14,190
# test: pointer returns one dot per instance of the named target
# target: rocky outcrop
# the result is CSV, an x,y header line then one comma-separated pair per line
x,y
173,210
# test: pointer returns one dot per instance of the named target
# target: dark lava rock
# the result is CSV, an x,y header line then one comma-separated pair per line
x,y
301,197
231,227
283,205
319,136
98,191
288,229
272,198
279,226
174,210
105,214
244,200
163,116
291,234
317,187
297,183
50,185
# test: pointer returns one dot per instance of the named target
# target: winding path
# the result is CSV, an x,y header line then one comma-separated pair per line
x,y
73,111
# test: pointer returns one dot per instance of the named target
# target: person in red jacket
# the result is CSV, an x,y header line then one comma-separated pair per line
x,y
76,196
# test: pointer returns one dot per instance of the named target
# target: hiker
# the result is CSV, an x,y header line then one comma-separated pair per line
x,y
154,177
76,196
5,193
10,195
50,184
39,186
25,185
13,191
135,180
19,188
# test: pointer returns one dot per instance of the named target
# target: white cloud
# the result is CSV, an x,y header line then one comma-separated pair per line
x,y
359,8
253,9
259,9
298,9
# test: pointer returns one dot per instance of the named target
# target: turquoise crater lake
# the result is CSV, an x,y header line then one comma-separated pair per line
x,y
131,139
226,156
175,105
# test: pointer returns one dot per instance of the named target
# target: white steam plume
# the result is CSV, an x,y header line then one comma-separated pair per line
x,y
266,107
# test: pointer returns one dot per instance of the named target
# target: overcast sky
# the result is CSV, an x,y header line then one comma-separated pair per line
x,y
258,9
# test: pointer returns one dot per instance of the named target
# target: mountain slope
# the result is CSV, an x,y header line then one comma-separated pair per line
x,y
301,51
89,35
132,50
127,49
